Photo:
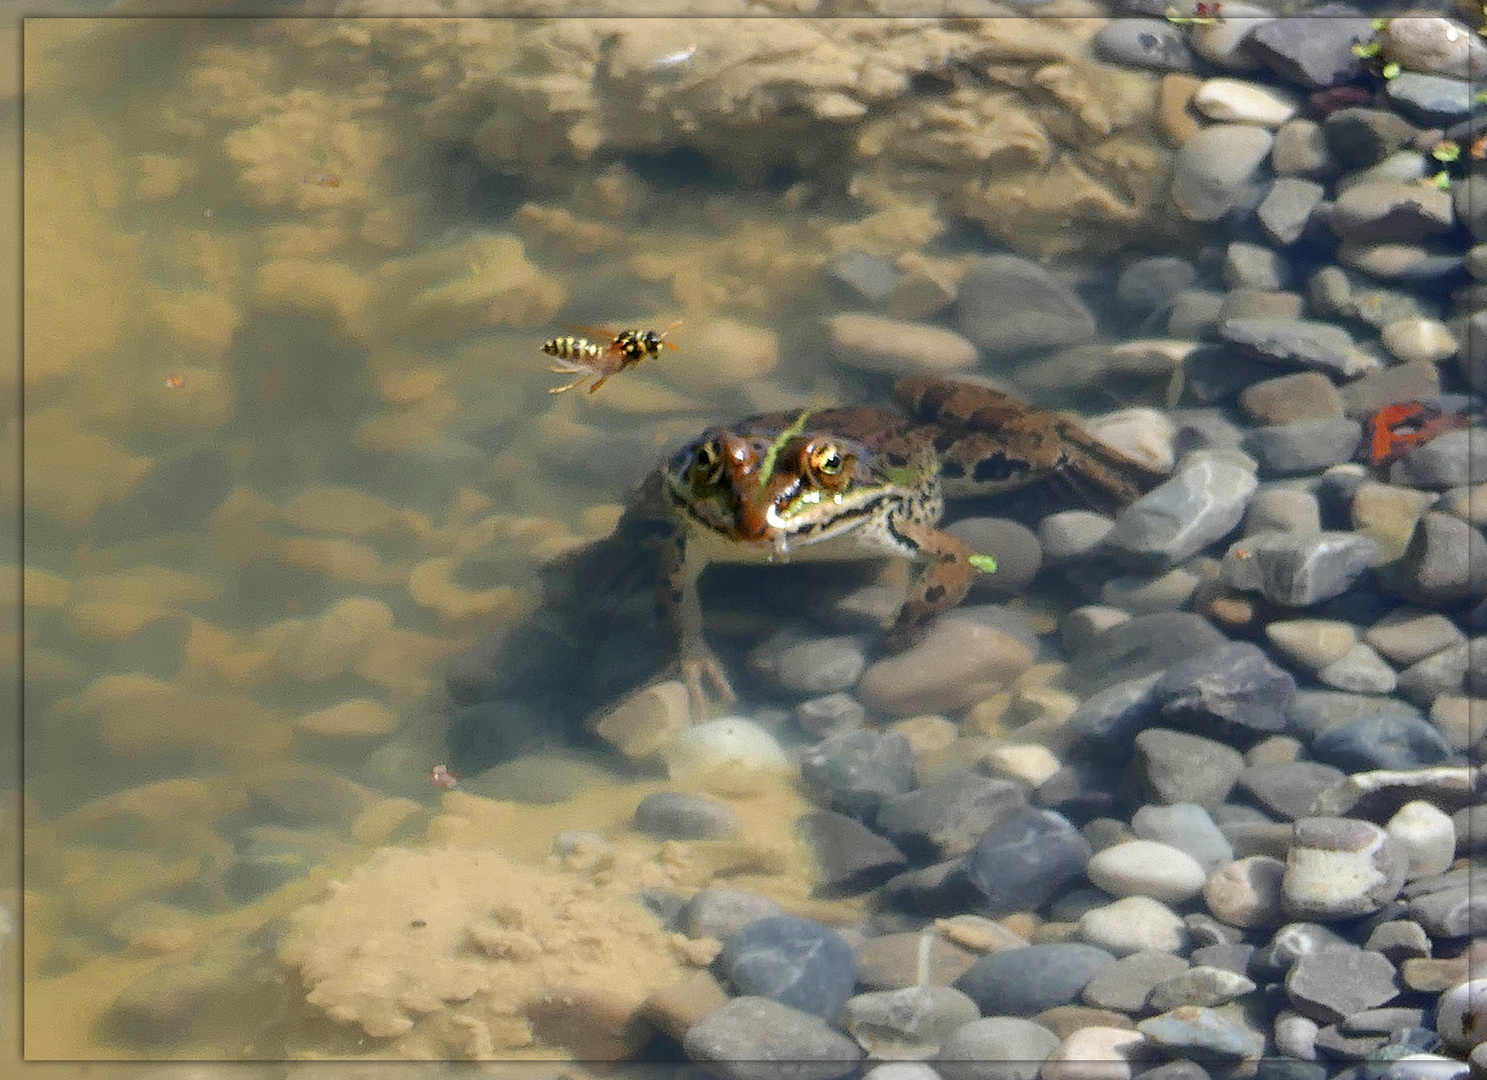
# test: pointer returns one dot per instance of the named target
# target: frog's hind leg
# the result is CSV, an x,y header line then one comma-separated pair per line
x,y
1099,474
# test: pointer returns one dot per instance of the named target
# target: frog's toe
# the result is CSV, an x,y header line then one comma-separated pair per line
x,y
693,671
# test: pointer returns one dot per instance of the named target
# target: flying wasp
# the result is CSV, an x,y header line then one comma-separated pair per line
x,y
579,355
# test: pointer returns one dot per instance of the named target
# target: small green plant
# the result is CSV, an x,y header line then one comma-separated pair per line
x,y
985,563
1446,151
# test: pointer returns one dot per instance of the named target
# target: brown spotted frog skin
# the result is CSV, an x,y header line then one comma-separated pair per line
x,y
859,483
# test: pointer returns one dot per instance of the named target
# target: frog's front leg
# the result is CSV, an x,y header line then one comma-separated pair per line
x,y
941,580
681,566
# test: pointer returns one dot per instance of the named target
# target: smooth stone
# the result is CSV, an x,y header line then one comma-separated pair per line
x,y
946,817
1202,503
1461,1015
1299,343
1459,719
1381,741
1434,44
1113,717
673,815
1430,100
1399,940
1338,980
876,343
1442,673
899,961
1315,50
1425,836
1071,534
1450,460
641,724
1142,645
870,277
1186,826
1125,984
753,1038
1283,508
1401,261
809,665
1134,924
1297,570
1455,912
911,1023
1419,341
1313,643
1027,981
1301,150
1288,789
1179,767
1018,554
1202,986
1217,170
957,663
1205,1033
1287,208
1361,136
1304,447
996,1048
1289,399
1025,860
830,714
1234,685
727,741
1146,868
854,771
795,962
1382,211
1153,44
1008,304
720,913
164,1006
1234,101
1339,868
1148,286
1254,268
1246,892
1142,594
851,857
1360,670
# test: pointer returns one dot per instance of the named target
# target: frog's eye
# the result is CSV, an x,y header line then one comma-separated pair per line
x,y
707,462
827,460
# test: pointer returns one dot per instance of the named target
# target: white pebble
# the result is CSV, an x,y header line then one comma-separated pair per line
x,y
1425,836
1146,868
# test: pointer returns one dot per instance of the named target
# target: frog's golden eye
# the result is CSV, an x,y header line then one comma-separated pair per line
x,y
827,460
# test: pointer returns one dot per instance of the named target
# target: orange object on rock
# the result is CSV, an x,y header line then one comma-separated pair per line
x,y
1397,429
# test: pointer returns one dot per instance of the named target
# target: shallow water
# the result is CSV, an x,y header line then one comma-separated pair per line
x,y
289,449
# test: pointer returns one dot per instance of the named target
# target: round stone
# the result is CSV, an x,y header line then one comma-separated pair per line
x,y
1246,892
1217,170
791,961
1146,868
1132,925
1025,982
996,1048
1339,868
1425,836
1461,1015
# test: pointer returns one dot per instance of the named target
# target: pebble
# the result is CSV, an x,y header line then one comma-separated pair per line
x,y
1124,985
1454,912
1384,740
853,772
1283,508
647,720
1304,447
1287,207
1399,940
1419,341
1146,868
1289,399
1025,860
1461,1015
1008,304
1440,673
911,1023
850,857
946,817
1288,789
869,277
996,1048
809,665
1339,868
1234,685
673,815
1148,286
1361,137
1234,101
875,343
1338,980
1313,643
749,1037
1025,982
1296,569
1202,1032
730,741
720,913
1071,534
1301,150
1425,836
794,962
1299,343
1435,44
1015,547
1202,985
898,961
1133,924
1186,826
1360,670
1381,211
1178,767
1218,169
1454,459
957,663
1254,269
1202,503
1459,719
1246,892
830,714
1153,44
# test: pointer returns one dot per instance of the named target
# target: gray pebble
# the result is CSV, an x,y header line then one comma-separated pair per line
x,y
1186,826
947,816
1338,980
1250,266
809,666
1154,44
1339,868
1430,100
1446,560
1449,460
1234,685
1313,51
1296,569
1299,343
1218,169
1202,1032
1070,534
893,961
1384,211
850,857
1149,286
752,1038
829,715
1025,982
1287,789
1305,447
1124,985
1301,150
673,815
1457,912
1008,304
1202,503
996,1048
720,913
1362,136
1202,986
1360,670
1288,399
1288,206
908,1023
1283,508
1181,768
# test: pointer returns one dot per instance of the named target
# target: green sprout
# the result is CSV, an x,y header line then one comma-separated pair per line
x,y
1480,97
985,563
1177,18
1446,151
1441,180
766,470
1366,50
1378,24
1390,70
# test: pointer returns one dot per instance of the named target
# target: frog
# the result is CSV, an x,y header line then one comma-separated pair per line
x,y
864,482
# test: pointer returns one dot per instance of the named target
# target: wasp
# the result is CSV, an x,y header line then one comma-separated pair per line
x,y
581,356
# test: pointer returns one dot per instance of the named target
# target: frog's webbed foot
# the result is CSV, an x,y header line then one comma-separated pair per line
x,y
694,668
942,580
